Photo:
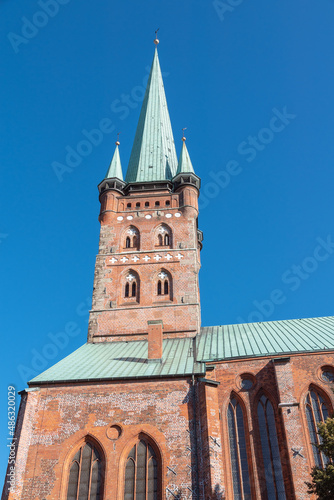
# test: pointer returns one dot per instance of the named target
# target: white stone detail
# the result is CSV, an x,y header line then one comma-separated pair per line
x,y
124,259
157,257
179,256
148,216
168,216
162,230
120,217
169,256
113,260
178,214
135,258
146,258
130,217
162,275
130,277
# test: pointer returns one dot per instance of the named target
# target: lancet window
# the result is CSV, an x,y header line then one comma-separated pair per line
x,y
316,411
86,474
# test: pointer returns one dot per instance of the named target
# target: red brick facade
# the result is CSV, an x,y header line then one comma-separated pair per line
x,y
142,219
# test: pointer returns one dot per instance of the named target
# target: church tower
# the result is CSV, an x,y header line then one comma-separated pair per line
x,y
149,252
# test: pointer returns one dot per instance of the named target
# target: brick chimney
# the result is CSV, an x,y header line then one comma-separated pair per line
x,y
155,329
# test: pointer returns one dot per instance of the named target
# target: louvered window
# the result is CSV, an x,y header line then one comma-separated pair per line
x,y
316,411
238,451
85,480
270,450
141,473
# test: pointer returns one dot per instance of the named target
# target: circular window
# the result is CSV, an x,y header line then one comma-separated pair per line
x,y
246,384
327,374
247,381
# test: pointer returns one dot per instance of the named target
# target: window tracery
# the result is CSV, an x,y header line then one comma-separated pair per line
x,y
86,472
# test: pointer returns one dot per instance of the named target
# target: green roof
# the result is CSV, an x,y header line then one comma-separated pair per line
x,y
115,167
185,165
153,155
270,338
128,360
123,360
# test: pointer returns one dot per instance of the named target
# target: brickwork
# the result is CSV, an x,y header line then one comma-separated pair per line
x,y
133,249
283,382
64,416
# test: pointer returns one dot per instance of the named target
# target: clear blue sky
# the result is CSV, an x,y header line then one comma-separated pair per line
x,y
230,75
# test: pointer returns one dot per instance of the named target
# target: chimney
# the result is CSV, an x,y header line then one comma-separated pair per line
x,y
155,329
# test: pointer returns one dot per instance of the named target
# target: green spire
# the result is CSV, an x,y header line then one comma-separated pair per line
x,y
153,155
115,167
185,165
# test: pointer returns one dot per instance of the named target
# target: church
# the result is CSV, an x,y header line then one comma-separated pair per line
x,y
155,406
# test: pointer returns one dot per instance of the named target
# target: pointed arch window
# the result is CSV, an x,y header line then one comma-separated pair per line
x,y
132,238
163,236
164,284
86,473
131,285
316,411
238,451
141,473
270,450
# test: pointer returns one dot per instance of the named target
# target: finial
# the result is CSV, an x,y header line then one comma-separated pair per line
x,y
156,41
183,138
117,142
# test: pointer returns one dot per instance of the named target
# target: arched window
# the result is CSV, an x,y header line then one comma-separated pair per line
x,y
134,289
316,411
86,472
132,238
164,284
270,450
163,236
238,451
131,287
141,473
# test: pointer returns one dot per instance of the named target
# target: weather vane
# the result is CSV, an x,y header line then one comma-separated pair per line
x,y
156,41
183,138
117,142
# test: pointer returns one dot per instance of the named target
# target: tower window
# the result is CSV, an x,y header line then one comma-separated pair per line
x,y
131,286
164,284
128,205
132,239
164,236
167,203
147,204
157,203
138,204
86,473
